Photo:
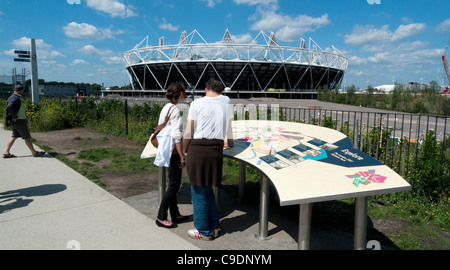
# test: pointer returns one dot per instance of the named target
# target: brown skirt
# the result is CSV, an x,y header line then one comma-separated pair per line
x,y
204,162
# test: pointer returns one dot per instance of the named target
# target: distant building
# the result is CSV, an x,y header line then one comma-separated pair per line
x,y
63,90
412,86
385,88
416,86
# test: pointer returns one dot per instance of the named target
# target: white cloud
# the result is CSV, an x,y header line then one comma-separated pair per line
x,y
256,2
390,53
386,46
211,3
406,19
44,51
113,60
109,33
48,63
79,62
443,26
90,32
405,60
404,31
91,50
112,7
9,52
82,30
167,26
403,56
288,28
242,39
368,34
402,61
357,61
358,73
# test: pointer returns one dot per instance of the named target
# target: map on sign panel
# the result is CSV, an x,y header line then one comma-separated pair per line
x,y
281,148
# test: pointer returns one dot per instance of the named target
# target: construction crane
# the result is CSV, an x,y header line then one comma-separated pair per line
x,y
447,72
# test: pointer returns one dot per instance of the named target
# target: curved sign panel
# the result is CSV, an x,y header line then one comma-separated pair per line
x,y
308,163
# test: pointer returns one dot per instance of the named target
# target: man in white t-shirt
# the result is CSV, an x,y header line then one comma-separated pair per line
x,y
208,125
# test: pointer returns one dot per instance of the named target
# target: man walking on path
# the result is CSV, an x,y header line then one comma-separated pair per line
x,y
16,112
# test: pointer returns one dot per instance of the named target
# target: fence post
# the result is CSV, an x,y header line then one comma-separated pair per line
x,y
126,116
355,133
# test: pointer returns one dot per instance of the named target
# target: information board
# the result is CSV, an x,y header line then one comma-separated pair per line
x,y
308,163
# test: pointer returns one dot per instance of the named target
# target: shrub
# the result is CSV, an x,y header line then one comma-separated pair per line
x,y
2,108
49,116
430,178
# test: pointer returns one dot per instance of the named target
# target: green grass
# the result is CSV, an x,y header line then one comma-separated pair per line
x,y
97,154
86,160
425,226
130,163
87,169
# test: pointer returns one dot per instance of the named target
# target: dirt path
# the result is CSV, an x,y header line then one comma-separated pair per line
x,y
70,142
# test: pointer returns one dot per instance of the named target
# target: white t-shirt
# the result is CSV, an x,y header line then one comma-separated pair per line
x,y
211,116
175,122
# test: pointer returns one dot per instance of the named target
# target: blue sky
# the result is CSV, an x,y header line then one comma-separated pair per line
x,y
83,40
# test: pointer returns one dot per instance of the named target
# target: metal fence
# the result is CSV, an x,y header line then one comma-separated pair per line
x,y
402,141
392,138
411,126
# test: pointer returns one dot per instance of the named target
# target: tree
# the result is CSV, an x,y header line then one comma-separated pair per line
x,y
95,89
370,100
395,97
350,94
434,86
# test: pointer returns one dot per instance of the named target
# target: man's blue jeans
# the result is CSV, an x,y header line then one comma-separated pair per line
x,y
206,216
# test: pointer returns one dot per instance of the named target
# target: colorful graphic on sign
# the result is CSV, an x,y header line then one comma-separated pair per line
x,y
366,177
281,147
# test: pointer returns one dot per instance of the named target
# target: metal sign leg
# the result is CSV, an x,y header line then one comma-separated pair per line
x,y
304,229
360,223
263,209
241,179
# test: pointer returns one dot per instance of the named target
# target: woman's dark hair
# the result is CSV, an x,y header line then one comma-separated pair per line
x,y
174,91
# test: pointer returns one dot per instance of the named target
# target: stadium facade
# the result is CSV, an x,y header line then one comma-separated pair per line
x,y
262,66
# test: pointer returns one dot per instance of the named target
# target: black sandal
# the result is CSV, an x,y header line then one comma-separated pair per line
x,y
39,154
8,156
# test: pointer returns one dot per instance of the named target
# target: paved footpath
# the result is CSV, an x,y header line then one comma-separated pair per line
x,y
44,204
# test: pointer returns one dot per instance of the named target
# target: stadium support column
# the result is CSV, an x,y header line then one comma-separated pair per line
x,y
34,74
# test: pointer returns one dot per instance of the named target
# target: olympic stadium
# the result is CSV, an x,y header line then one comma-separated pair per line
x,y
261,68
